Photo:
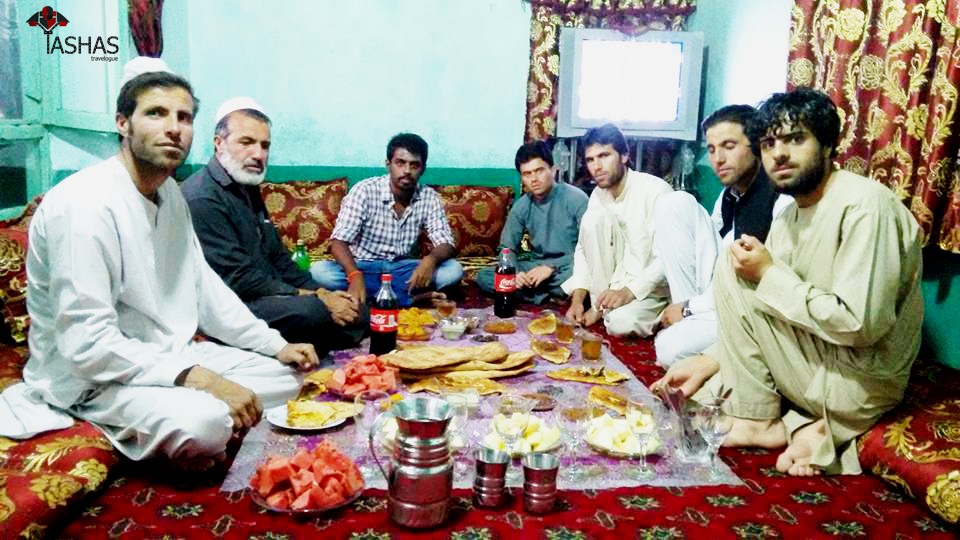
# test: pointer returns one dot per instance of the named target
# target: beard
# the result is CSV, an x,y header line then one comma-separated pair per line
x,y
236,171
805,182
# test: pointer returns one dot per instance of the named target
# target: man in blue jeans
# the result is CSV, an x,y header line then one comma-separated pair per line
x,y
378,227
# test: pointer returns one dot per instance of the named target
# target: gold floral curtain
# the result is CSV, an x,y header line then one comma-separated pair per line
x,y
549,16
893,69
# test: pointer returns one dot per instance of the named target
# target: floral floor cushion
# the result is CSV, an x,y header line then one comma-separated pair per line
x,y
41,477
305,210
13,273
916,447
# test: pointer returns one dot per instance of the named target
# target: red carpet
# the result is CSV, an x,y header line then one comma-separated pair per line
x,y
139,505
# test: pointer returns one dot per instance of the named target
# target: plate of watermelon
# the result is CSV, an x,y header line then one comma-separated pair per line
x,y
362,373
307,484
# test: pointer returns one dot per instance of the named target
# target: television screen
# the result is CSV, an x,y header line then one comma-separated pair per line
x,y
648,85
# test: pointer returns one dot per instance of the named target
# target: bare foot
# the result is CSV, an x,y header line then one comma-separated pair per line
x,y
591,317
762,433
795,460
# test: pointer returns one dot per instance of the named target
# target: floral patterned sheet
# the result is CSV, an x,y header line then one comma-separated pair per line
x,y
603,472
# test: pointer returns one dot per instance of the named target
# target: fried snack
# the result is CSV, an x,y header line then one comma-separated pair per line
x,y
608,399
543,326
500,327
435,356
315,384
412,332
588,375
550,351
415,317
440,383
318,413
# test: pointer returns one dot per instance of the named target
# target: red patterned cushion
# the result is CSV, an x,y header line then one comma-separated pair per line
x,y
13,272
305,210
917,445
12,360
30,501
476,215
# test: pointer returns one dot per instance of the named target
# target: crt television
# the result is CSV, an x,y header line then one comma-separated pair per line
x,y
647,85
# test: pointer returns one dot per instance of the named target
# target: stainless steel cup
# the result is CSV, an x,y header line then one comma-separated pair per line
x,y
490,481
540,482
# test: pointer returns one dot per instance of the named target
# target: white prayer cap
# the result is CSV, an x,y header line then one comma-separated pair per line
x,y
236,104
140,65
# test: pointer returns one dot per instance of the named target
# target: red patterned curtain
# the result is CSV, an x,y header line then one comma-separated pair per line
x,y
144,18
549,16
893,69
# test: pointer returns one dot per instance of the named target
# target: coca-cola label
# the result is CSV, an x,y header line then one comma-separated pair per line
x,y
505,283
383,320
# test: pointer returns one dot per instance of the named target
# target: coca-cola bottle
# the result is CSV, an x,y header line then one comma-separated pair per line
x,y
383,318
505,285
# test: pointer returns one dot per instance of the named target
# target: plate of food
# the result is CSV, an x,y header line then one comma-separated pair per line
x,y
310,415
612,437
307,484
537,437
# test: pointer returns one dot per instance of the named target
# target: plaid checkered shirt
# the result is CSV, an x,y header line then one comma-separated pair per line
x,y
368,223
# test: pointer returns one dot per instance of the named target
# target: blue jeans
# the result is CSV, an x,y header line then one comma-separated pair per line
x,y
330,275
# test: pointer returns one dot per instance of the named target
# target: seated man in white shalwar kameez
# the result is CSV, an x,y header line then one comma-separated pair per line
x,y
117,289
615,264
820,326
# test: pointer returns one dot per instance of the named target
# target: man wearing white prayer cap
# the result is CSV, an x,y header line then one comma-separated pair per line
x,y
243,246
117,290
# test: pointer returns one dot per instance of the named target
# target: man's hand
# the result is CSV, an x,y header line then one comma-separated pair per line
x,y
342,306
245,408
672,314
358,290
611,299
422,276
688,374
750,258
302,355
575,311
535,276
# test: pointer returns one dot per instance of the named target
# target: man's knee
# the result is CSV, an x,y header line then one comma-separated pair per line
x,y
670,347
484,279
448,273
197,430
329,274
620,322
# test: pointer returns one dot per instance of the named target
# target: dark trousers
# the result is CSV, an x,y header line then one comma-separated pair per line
x,y
306,319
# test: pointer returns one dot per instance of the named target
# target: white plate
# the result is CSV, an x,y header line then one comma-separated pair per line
x,y
278,417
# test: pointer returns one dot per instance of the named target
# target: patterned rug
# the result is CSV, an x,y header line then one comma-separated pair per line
x,y
139,503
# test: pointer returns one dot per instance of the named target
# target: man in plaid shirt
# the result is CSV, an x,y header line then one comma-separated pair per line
x,y
377,230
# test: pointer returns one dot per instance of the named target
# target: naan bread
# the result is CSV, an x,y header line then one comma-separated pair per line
x,y
478,373
441,383
550,351
435,356
543,326
318,413
511,361
500,327
315,384
608,399
586,375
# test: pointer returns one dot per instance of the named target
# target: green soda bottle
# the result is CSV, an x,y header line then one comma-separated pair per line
x,y
300,256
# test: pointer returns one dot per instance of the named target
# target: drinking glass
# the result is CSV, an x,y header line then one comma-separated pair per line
x,y
713,427
574,420
565,330
446,308
455,429
590,346
640,420
370,404
510,422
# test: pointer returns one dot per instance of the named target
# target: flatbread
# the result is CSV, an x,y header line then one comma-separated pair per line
x,y
315,383
477,373
550,351
609,399
318,413
436,356
511,361
500,327
441,383
579,374
543,326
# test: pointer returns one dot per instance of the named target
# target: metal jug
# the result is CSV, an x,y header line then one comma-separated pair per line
x,y
420,475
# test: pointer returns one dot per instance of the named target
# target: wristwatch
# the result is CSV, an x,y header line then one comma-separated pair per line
x,y
685,311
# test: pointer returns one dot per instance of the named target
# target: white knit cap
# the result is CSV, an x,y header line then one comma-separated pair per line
x,y
236,104
140,65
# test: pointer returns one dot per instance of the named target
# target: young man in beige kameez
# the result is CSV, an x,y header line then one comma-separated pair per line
x,y
819,327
